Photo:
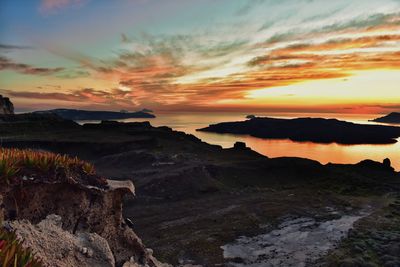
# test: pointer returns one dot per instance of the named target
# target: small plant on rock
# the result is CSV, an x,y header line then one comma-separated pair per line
x,y
17,163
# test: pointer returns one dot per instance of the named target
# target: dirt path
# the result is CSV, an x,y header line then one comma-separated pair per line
x,y
296,242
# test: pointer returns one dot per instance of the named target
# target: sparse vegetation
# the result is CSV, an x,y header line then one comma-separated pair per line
x,y
24,164
12,253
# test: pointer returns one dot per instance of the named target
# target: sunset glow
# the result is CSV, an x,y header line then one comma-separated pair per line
x,y
201,55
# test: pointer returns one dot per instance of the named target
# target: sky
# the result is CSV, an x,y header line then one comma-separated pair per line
x,y
202,55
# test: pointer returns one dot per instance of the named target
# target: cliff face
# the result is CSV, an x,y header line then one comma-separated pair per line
x,y
86,220
66,213
6,106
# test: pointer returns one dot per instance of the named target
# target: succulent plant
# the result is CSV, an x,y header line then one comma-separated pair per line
x,y
13,254
15,161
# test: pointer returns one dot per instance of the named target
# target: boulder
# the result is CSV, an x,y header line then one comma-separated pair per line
x,y
80,249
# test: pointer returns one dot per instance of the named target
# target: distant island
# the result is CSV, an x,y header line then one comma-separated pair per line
x,y
316,130
393,117
77,114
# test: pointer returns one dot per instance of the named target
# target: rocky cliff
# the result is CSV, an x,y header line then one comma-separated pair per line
x,y
66,217
6,106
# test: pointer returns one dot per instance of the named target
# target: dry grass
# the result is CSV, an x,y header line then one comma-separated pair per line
x,y
14,163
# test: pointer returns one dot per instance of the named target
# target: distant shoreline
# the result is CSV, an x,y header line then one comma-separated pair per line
x,y
88,115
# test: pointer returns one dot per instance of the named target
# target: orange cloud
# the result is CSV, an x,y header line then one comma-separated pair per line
x,y
154,74
115,97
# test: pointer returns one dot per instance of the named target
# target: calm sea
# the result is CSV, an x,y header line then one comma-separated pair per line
x,y
324,153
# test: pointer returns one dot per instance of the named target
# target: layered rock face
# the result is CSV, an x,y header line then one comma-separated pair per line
x,y
71,224
6,106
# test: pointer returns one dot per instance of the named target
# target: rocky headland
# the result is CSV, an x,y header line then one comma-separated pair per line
x,y
309,129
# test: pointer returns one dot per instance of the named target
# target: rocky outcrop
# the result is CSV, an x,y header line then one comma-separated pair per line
x,y
57,247
6,106
87,223
240,146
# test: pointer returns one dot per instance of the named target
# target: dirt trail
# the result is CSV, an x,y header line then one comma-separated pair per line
x,y
296,242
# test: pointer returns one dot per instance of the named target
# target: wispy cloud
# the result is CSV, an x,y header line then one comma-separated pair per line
x,y
114,97
248,5
14,47
7,64
173,70
53,6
